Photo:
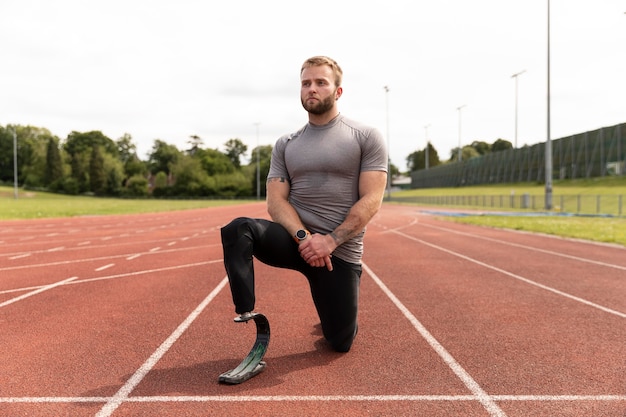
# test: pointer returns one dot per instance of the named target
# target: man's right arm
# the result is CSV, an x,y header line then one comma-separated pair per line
x,y
278,206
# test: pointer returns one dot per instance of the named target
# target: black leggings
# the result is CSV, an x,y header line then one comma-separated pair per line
x,y
335,293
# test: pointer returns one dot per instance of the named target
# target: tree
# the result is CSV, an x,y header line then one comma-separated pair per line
x,y
483,148
32,143
80,148
126,149
467,153
114,175
78,142
6,154
196,143
417,160
162,157
215,162
97,175
54,165
191,179
501,145
265,156
234,149
137,186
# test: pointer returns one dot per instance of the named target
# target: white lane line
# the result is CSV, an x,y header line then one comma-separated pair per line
x,y
154,249
118,276
314,398
84,243
122,394
37,291
58,248
135,256
102,268
25,255
171,244
518,277
463,375
530,248
99,258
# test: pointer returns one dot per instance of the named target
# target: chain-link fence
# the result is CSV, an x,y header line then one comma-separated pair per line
x,y
580,204
598,153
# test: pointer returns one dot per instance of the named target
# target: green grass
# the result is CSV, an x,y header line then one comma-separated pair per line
x,y
601,186
34,205
600,229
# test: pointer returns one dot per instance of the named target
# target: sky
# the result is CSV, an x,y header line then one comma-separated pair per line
x,y
222,70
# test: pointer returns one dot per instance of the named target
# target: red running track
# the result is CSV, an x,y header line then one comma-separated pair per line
x,y
132,316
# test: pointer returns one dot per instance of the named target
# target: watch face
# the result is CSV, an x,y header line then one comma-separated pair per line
x,y
301,234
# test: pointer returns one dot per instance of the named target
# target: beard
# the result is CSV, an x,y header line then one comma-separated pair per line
x,y
319,107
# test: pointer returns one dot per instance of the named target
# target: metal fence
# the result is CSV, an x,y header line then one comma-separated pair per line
x,y
580,204
597,153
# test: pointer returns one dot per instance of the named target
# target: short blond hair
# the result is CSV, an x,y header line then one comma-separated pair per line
x,y
319,60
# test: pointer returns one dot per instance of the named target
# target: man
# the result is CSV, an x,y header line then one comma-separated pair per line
x,y
325,184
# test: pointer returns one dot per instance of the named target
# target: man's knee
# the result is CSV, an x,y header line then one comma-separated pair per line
x,y
343,342
233,230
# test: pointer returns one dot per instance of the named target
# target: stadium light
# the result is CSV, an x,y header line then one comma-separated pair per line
x,y
426,151
258,164
459,110
388,144
548,162
515,76
15,162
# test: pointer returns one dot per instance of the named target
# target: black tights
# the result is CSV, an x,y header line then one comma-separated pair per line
x,y
335,293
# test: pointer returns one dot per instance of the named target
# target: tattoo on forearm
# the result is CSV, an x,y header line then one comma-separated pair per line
x,y
281,179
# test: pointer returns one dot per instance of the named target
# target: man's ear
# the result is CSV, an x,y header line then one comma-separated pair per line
x,y
338,93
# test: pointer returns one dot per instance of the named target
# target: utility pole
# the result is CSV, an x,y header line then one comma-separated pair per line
x,y
388,144
459,110
258,164
548,191
15,182
515,76
426,151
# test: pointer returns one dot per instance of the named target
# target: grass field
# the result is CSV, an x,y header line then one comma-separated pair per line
x,y
32,205
601,229
593,186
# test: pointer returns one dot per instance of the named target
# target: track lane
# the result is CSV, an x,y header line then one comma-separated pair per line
x,y
392,370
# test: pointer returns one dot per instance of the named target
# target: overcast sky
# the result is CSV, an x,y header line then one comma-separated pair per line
x,y
167,70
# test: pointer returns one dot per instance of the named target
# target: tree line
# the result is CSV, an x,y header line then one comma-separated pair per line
x,y
91,163
417,160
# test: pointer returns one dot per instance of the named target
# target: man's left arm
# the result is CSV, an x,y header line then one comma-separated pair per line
x,y
372,186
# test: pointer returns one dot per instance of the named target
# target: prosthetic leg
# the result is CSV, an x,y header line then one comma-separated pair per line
x,y
252,364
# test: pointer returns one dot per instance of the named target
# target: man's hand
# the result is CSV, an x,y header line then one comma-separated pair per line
x,y
316,250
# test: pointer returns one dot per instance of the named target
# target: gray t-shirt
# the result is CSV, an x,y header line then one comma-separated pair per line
x,y
322,165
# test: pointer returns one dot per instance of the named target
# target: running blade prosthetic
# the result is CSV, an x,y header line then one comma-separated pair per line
x,y
252,364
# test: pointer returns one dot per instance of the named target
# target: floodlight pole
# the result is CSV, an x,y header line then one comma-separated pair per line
x,y
515,76
258,164
548,190
459,110
426,151
15,182
388,144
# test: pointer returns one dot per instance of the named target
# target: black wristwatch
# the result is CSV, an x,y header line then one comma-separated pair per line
x,y
301,235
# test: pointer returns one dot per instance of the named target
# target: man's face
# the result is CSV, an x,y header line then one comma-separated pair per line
x,y
318,92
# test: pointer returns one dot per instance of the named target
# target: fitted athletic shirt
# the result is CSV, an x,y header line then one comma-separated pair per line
x,y
322,165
